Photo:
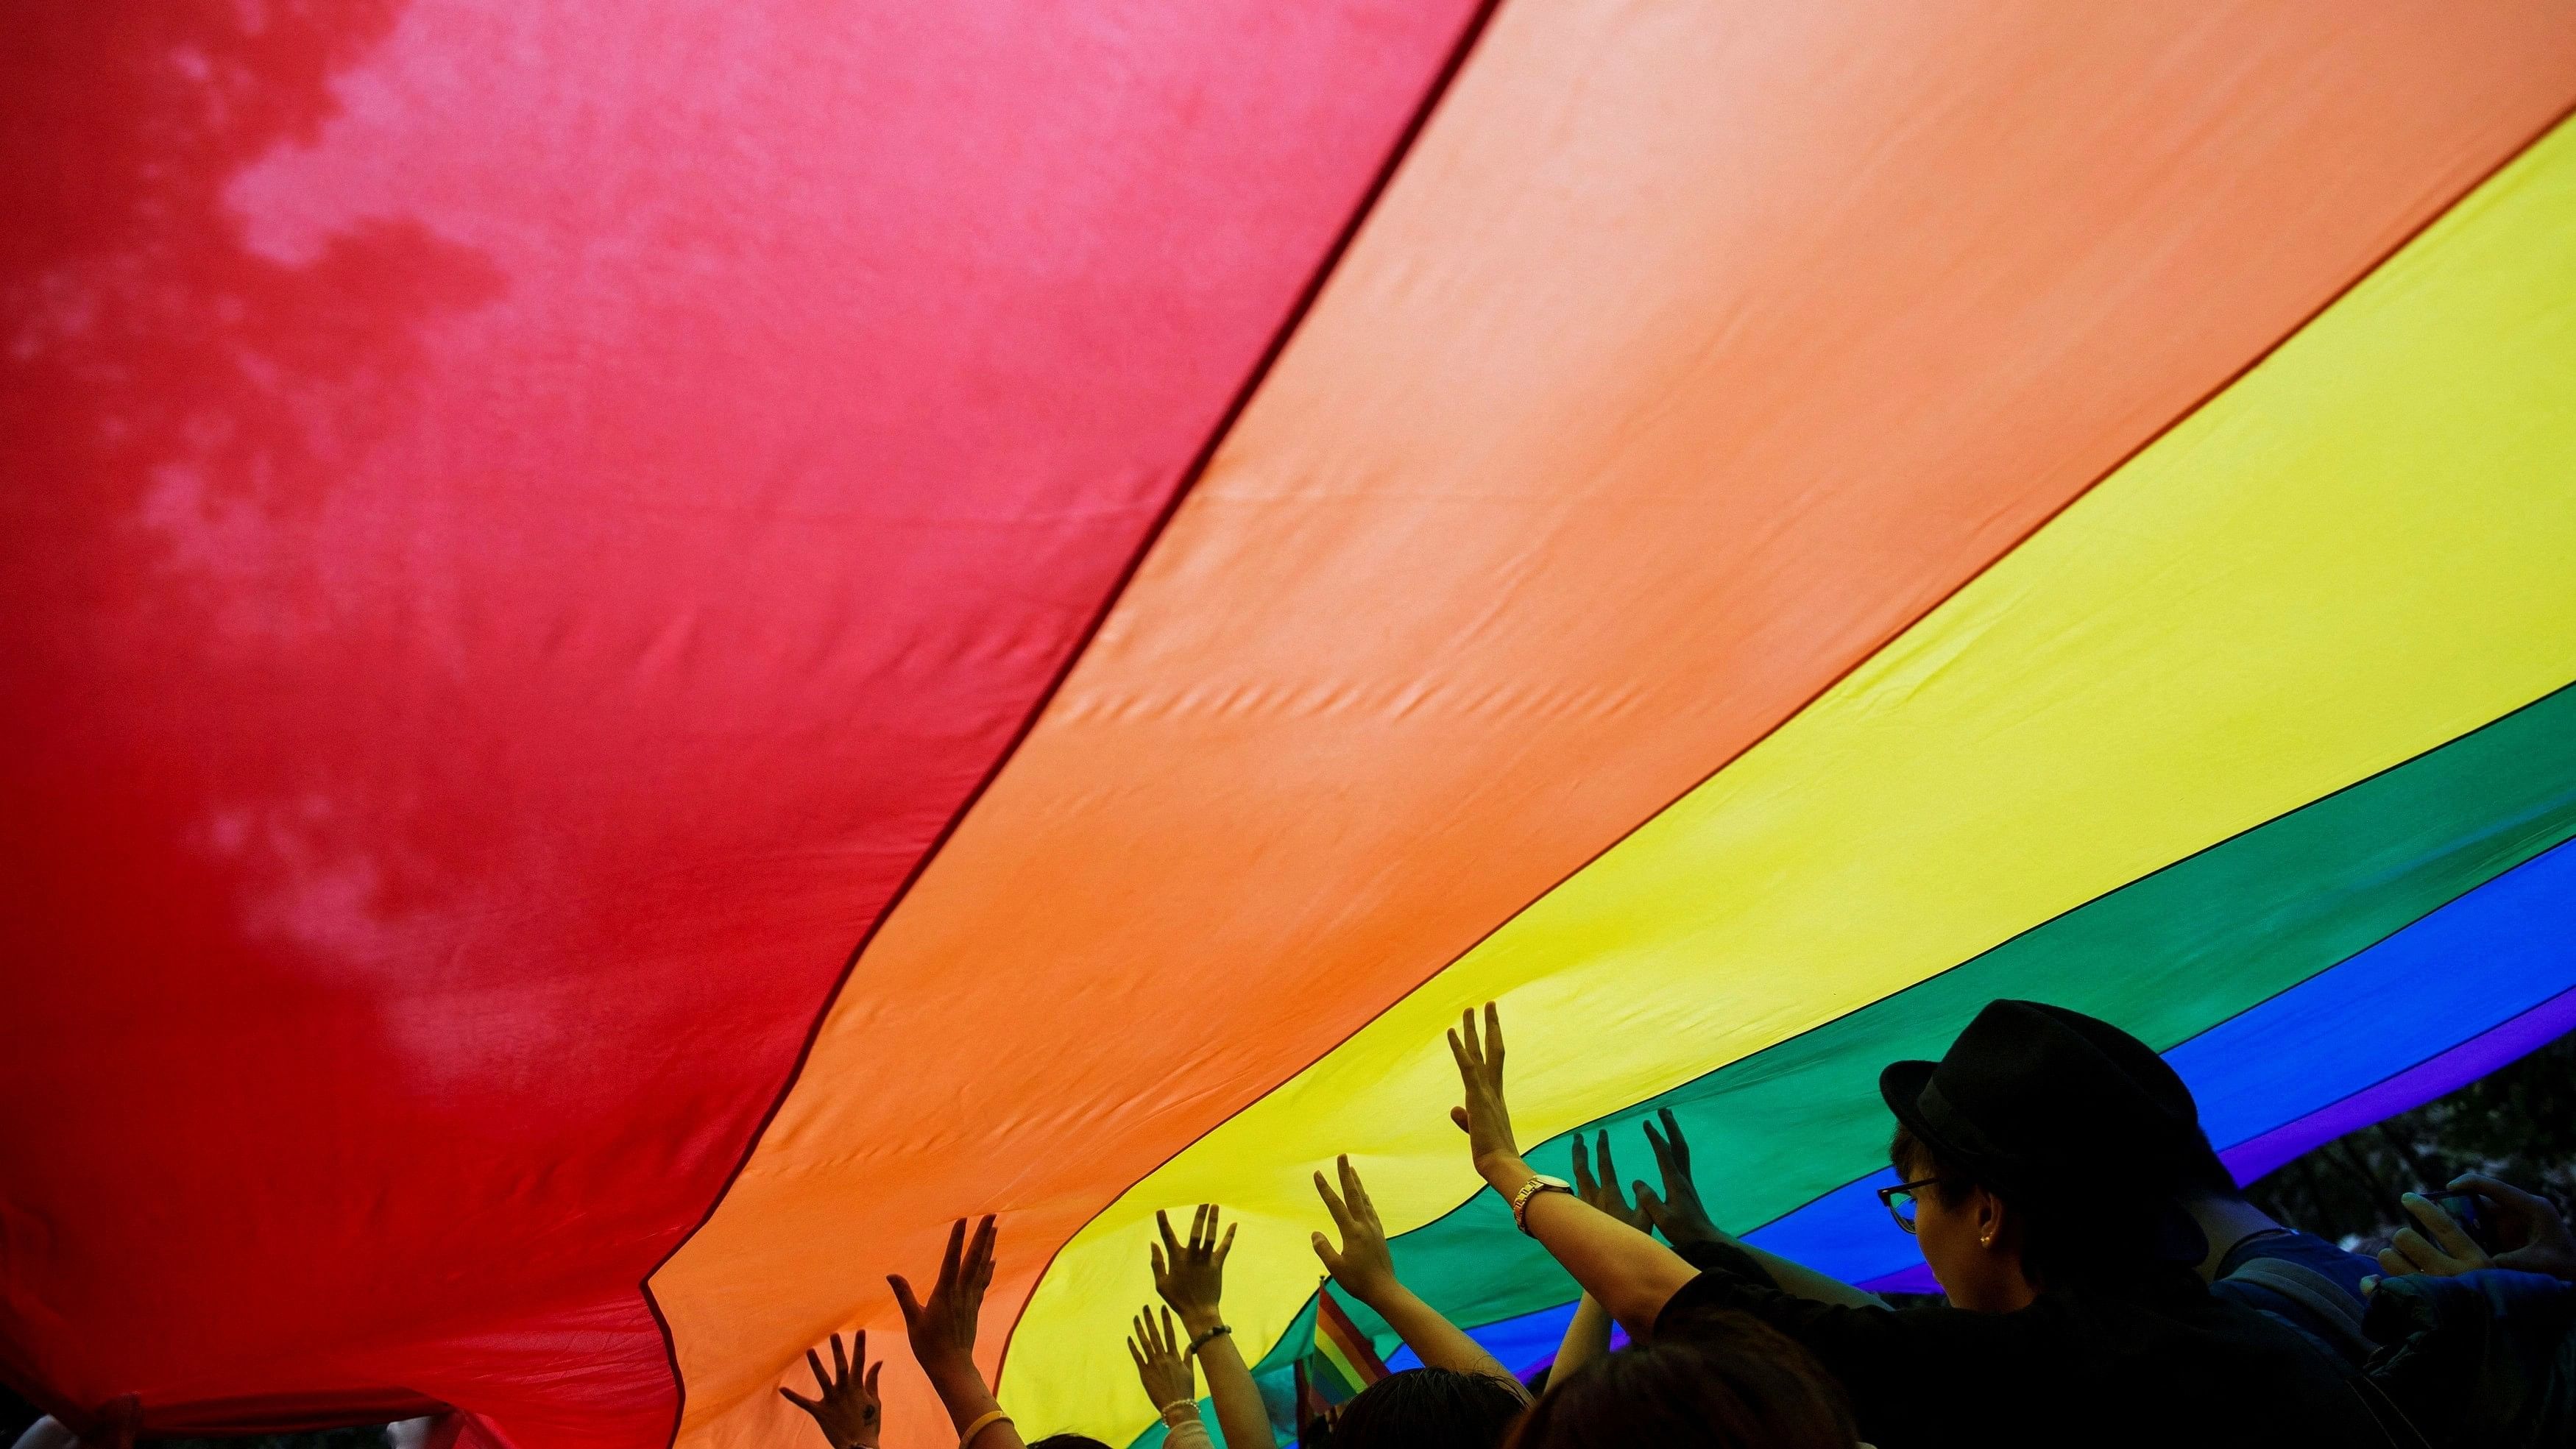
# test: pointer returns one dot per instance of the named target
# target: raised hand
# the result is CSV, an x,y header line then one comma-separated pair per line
x,y
1366,1270
1484,1118
2530,1235
1191,1276
1677,1209
942,1329
1622,1268
1600,1187
1161,1365
1363,1265
848,1410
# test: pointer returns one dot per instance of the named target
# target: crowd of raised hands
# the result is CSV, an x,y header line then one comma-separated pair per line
x,y
1461,1395
1731,1346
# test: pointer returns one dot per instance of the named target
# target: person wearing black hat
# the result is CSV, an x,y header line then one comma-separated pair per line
x,y
2251,1259
2043,1183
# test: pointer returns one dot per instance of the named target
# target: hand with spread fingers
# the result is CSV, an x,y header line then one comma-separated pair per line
x,y
942,1330
1676,1210
1483,1117
1161,1364
847,1408
1592,1234
1363,1264
1599,1185
1365,1267
1683,1219
1191,1276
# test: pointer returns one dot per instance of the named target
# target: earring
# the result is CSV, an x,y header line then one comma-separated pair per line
x,y
1987,1241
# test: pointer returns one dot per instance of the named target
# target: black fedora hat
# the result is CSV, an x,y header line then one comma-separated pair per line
x,y
2164,1086
2050,1104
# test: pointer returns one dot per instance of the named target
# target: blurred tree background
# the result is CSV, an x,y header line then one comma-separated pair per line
x,y
2518,1123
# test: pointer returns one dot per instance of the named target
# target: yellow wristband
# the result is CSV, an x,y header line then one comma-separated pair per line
x,y
979,1426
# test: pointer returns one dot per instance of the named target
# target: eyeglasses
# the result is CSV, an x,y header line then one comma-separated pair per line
x,y
1900,1200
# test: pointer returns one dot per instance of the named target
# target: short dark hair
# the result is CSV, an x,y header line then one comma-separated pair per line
x,y
1914,1160
1735,1383
1431,1408
1068,1441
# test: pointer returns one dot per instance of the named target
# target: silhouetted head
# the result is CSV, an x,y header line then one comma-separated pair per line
x,y
2057,1140
1068,1441
1740,1386
1429,1408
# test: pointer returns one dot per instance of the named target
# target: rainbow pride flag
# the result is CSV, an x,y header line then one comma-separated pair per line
x,y
1421,504
1344,1361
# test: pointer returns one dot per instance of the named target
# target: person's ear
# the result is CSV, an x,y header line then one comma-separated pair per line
x,y
1990,1219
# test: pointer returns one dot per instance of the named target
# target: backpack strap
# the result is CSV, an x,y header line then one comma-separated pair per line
x,y
2337,1311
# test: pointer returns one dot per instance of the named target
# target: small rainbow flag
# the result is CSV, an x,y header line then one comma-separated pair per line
x,y
1344,1361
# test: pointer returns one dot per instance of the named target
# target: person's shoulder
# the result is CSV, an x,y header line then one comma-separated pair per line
x,y
2217,1350
1687,1313
2306,1250
2262,1327
2050,1324
1710,1305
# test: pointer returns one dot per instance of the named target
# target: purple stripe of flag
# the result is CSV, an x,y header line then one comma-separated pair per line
x,y
2408,1089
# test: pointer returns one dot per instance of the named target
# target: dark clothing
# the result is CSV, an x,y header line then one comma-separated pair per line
x,y
2485,1359
2159,1363
2249,1275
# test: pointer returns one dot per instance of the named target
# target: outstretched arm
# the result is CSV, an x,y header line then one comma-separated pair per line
x,y
1677,1210
1586,1341
1366,1270
1625,1269
942,1331
1191,1278
1596,1181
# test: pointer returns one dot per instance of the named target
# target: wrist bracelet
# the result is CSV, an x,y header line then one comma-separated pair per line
x,y
1530,1190
1188,1407
1204,1339
980,1425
